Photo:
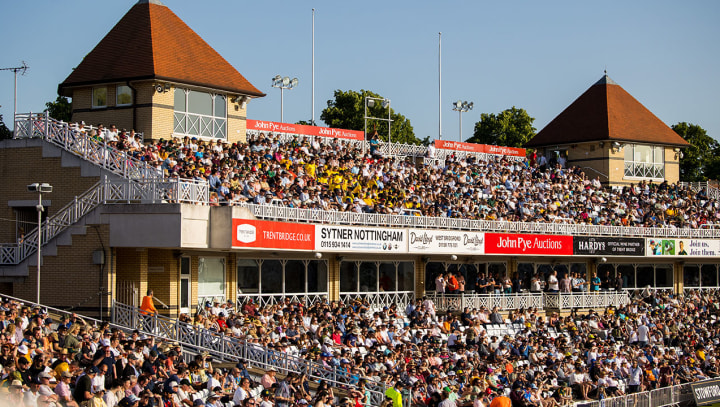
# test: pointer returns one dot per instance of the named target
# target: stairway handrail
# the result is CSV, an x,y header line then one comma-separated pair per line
x,y
103,191
61,134
231,348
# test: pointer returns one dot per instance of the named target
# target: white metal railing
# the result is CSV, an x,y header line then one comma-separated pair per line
x,y
104,192
212,299
287,214
598,299
458,302
680,394
560,301
378,300
229,348
61,134
711,188
264,300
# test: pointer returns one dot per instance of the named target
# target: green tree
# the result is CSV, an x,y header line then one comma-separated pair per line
x,y
5,133
511,128
346,112
60,109
700,160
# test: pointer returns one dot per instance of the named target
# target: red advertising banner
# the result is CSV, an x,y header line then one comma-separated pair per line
x,y
479,148
304,130
272,235
553,245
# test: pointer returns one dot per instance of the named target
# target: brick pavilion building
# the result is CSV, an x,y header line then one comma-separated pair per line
x,y
612,136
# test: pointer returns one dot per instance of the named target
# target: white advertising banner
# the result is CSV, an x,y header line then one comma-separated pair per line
x,y
360,239
683,247
445,241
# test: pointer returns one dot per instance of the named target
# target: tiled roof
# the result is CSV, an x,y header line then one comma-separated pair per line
x,y
151,42
606,112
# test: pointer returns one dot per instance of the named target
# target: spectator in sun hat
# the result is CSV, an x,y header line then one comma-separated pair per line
x,y
213,399
268,379
16,393
62,389
129,401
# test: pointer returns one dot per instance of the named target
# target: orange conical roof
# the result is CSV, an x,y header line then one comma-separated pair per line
x,y
151,42
606,112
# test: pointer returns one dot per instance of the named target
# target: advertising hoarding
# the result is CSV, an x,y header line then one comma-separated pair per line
x,y
521,244
445,241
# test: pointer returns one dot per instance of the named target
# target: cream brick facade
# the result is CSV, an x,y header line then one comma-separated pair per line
x,y
153,111
598,159
67,183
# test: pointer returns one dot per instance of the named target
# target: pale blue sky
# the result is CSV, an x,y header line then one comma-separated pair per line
x,y
536,55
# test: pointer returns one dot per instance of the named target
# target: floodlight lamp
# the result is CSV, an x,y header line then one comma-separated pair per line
x,y
277,78
458,103
616,144
470,105
385,103
294,82
40,187
370,102
285,81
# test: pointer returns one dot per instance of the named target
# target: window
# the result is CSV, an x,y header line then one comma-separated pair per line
x,y
643,161
185,282
281,276
371,276
211,277
248,276
200,114
709,275
124,96
99,97
271,276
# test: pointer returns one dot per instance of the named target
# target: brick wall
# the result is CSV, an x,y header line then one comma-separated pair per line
x,y
163,275
237,123
66,181
70,278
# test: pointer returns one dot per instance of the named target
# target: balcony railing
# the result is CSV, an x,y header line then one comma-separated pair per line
x,y
378,300
554,301
287,214
458,302
264,300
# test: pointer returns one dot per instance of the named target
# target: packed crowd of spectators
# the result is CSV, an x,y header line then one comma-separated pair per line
x,y
657,340
336,175
435,360
72,363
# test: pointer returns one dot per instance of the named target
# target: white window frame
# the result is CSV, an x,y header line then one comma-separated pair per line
x,y
217,126
644,170
117,95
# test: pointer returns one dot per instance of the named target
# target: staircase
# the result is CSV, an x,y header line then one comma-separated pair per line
x,y
123,179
